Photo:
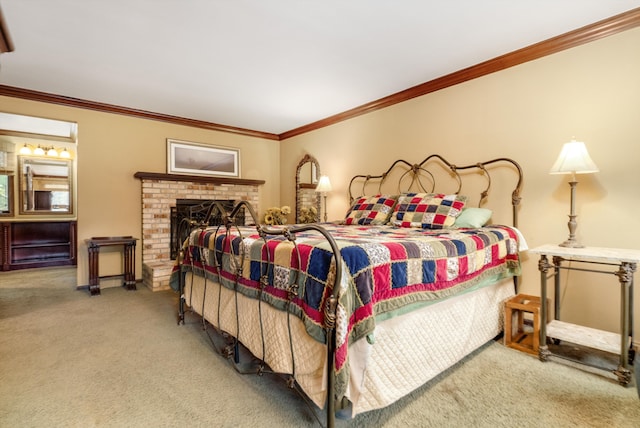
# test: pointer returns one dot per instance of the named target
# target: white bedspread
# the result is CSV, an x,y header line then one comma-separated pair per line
x,y
406,351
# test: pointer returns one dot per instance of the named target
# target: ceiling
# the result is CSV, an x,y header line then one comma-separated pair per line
x,y
269,66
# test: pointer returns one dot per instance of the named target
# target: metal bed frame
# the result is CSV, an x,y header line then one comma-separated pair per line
x,y
415,173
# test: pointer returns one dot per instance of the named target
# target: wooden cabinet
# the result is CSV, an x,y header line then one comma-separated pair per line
x,y
34,244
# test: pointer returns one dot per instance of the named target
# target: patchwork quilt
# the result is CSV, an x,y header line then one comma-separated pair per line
x,y
384,269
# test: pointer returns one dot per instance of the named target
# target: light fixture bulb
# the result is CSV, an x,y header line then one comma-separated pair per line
x,y
65,154
52,152
38,151
25,150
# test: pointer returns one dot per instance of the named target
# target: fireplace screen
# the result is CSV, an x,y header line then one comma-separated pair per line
x,y
196,210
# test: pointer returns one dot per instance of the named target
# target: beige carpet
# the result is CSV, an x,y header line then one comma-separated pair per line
x,y
120,360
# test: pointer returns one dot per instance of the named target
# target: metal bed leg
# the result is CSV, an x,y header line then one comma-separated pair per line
x,y
181,299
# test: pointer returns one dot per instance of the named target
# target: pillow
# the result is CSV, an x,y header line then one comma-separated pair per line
x,y
427,210
371,210
473,218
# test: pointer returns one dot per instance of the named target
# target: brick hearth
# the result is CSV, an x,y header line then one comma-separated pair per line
x,y
159,194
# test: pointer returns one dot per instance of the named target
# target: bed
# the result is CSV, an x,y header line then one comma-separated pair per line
x,y
360,312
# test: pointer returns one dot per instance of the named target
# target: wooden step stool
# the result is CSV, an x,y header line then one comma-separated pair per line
x,y
514,334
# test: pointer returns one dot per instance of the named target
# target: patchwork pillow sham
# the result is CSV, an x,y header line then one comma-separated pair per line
x,y
371,210
427,210
473,218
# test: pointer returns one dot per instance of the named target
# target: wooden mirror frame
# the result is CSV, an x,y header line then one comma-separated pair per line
x,y
301,185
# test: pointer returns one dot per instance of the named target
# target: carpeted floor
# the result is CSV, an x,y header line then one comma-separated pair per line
x,y
120,360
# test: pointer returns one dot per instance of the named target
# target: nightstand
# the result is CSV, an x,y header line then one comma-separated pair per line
x,y
610,352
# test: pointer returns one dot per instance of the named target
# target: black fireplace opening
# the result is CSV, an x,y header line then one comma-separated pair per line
x,y
196,210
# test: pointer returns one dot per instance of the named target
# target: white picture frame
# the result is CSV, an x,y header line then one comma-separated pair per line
x,y
185,157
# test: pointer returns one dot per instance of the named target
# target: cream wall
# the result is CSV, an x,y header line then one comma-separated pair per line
x,y
111,148
526,112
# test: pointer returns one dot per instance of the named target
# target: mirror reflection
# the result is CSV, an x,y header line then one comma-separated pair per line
x,y
45,186
6,184
307,199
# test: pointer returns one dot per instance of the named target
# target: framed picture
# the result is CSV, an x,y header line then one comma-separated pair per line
x,y
184,157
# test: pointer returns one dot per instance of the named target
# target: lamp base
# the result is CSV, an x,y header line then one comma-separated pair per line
x,y
571,243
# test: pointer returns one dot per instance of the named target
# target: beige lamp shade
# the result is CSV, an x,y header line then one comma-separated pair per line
x,y
324,185
574,159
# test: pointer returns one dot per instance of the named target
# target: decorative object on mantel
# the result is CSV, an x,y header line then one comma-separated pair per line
x,y
275,215
323,187
574,159
308,215
185,157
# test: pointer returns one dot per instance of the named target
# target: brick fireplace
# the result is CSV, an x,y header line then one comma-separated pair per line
x,y
159,194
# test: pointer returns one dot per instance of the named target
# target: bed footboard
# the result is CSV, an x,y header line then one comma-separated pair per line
x,y
266,233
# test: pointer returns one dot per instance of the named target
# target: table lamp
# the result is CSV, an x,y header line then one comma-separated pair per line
x,y
323,187
574,159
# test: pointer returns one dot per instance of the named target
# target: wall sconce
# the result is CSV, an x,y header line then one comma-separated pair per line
x,y
50,151
574,159
323,187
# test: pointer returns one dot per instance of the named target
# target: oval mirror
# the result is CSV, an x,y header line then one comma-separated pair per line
x,y
307,199
45,186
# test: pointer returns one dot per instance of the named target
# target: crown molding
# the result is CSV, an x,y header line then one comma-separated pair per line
x,y
28,94
589,33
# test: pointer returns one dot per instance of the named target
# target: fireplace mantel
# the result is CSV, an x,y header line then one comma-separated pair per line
x,y
196,178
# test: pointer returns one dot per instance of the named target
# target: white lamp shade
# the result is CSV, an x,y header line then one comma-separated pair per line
x,y
324,185
574,159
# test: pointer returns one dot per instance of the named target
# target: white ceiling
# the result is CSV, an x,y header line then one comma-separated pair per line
x,y
267,65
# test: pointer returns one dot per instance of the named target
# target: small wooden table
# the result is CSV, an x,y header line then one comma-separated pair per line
x,y
128,244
